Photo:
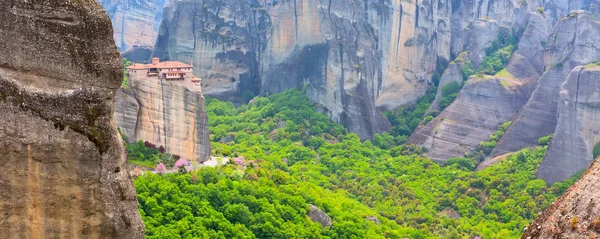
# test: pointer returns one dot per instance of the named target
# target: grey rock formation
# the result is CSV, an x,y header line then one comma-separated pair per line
x,y
578,128
139,54
479,37
135,22
571,45
485,102
453,73
575,214
354,57
482,105
166,114
317,215
65,173
374,220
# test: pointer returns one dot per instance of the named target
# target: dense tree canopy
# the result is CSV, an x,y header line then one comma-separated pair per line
x,y
300,157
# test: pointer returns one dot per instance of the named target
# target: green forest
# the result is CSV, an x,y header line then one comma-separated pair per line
x,y
370,189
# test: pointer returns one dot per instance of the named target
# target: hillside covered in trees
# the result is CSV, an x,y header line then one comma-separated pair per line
x,y
296,157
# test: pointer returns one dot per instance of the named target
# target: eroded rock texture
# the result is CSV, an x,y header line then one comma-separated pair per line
x,y
135,22
485,102
317,215
575,214
544,58
64,167
353,56
578,126
166,114
573,43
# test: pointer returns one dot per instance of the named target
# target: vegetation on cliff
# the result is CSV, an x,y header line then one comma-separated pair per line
x,y
296,157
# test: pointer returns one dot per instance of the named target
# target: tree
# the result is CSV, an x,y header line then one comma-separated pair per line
x,y
160,169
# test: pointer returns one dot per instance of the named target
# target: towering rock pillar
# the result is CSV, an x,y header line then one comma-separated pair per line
x,y
63,164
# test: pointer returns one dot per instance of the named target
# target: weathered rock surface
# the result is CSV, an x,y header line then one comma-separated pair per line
x,y
374,219
353,56
317,215
578,128
575,214
483,105
572,44
139,54
135,22
453,73
64,167
165,114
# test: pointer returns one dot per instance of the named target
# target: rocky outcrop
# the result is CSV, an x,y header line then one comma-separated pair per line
x,y
484,103
575,215
453,73
571,45
374,219
135,22
140,54
64,166
166,114
318,216
353,57
578,128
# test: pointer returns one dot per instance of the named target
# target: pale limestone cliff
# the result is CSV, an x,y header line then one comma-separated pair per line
x,y
353,56
64,166
135,22
483,104
166,114
572,44
578,126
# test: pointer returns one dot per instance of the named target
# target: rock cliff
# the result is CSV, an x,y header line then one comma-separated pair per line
x,y
545,56
135,22
353,57
486,101
572,44
575,215
578,125
356,58
64,167
166,114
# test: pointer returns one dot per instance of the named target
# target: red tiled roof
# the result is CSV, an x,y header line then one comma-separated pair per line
x,y
137,67
160,65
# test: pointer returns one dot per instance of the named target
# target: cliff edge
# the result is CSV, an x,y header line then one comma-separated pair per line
x,y
64,167
575,215
166,114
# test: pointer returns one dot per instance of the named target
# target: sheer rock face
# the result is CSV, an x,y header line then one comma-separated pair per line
x,y
135,22
572,44
575,214
483,104
578,128
64,165
165,114
353,57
